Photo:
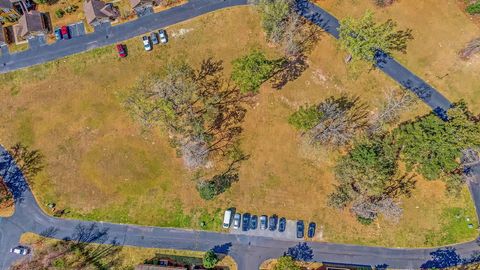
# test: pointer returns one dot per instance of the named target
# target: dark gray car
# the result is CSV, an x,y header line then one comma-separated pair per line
x,y
154,38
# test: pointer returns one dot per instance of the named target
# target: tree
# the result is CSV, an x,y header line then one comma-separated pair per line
x,y
201,111
284,27
305,118
335,121
210,259
470,49
433,147
364,39
250,71
209,189
368,180
396,102
286,263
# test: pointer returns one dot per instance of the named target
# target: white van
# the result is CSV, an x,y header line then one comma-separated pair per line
x,y
227,217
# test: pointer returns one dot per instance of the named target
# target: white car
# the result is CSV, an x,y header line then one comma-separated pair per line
x,y
227,218
163,36
146,43
236,220
20,250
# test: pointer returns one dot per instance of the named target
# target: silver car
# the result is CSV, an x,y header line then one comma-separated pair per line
x,y
146,43
163,36
236,220
20,250
263,222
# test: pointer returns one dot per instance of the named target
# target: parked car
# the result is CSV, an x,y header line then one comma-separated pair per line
x,y
272,223
154,38
263,222
121,50
146,43
20,250
65,32
311,229
236,220
253,222
227,218
282,224
58,34
163,36
246,222
300,229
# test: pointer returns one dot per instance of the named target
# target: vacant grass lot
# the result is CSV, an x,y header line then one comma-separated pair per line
x,y
101,166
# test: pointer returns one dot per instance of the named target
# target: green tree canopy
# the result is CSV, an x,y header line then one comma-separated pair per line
x,y
363,37
210,259
250,71
305,118
433,147
275,14
286,263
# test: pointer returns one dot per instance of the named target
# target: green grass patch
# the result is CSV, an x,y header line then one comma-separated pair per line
x,y
473,8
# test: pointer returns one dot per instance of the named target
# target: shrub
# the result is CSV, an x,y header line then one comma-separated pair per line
x,y
210,259
474,8
59,13
305,118
364,221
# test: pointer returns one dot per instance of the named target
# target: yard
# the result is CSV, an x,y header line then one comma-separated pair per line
x,y
102,166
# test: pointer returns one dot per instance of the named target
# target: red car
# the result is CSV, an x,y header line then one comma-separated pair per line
x,y
65,32
121,50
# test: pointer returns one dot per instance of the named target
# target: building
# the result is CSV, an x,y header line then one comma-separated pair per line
x,y
11,11
31,24
158,267
98,12
6,35
144,3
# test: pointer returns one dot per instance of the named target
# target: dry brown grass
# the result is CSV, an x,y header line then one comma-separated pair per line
x,y
101,166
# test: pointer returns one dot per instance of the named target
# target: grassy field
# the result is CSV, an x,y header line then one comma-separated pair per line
x,y
440,31
133,256
102,166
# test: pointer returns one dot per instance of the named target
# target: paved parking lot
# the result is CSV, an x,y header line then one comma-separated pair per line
x,y
290,232
76,29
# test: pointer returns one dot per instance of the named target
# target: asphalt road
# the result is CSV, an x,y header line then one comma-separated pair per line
x,y
248,251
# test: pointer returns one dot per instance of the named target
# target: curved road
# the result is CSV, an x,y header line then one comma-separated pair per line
x,y
248,251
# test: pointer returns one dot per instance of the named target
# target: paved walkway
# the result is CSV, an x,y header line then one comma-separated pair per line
x,y
248,251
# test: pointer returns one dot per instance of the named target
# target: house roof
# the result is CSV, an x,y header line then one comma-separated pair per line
x,y
157,267
6,4
31,22
95,9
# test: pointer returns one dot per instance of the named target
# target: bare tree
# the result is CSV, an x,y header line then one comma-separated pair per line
x,y
342,119
470,49
369,208
396,102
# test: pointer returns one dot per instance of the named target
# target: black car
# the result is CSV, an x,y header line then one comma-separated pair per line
x,y
245,222
311,229
300,229
282,224
272,223
253,222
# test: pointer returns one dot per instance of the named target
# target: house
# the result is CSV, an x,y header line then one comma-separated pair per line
x,y
158,267
31,24
144,3
97,12
11,11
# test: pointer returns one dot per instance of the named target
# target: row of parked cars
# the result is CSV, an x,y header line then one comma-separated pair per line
x,y
252,222
154,39
62,33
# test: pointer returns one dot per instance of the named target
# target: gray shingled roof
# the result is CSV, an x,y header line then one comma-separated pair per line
x,y
98,9
31,22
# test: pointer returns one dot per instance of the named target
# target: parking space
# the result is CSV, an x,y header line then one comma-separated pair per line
x,y
4,49
290,232
144,11
36,41
76,29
